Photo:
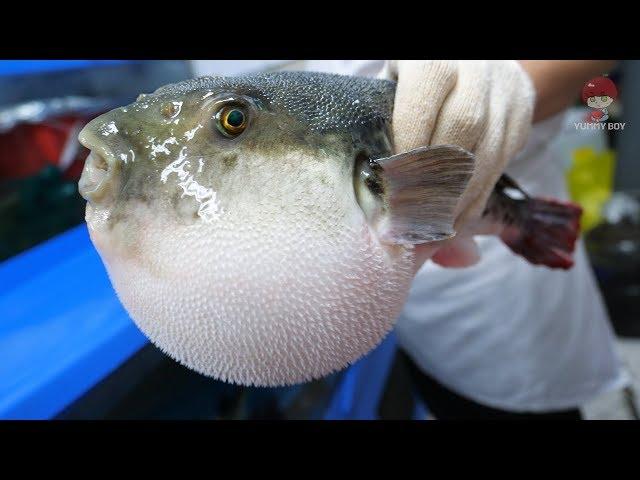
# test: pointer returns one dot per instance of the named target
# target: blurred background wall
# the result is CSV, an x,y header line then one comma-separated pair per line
x,y
628,170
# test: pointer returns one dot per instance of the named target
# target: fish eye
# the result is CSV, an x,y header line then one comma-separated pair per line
x,y
231,121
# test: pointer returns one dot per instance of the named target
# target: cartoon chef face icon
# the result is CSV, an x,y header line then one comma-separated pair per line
x,y
598,93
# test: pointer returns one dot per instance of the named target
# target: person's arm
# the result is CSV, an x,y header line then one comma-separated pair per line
x,y
558,83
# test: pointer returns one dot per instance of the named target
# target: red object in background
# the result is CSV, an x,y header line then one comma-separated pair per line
x,y
28,148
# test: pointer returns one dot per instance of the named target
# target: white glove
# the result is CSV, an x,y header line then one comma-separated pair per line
x,y
484,106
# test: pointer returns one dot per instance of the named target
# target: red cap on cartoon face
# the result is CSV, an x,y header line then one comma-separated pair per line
x,y
598,87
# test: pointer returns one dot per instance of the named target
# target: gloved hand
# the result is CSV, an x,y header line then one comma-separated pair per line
x,y
484,106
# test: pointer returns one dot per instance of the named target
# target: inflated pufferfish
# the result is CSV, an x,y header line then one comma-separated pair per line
x,y
259,230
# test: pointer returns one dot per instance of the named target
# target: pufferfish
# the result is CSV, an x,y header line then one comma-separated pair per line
x,y
260,230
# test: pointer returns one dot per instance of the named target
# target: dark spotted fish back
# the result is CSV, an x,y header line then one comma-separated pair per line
x,y
325,102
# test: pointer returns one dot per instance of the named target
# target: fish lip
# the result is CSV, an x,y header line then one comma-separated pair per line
x,y
89,139
99,169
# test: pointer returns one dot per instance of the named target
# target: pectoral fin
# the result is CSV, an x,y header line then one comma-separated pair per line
x,y
420,191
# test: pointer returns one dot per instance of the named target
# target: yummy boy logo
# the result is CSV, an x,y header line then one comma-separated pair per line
x,y
599,93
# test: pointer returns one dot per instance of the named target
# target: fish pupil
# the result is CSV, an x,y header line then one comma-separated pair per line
x,y
235,118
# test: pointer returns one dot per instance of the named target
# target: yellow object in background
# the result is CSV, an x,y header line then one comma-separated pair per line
x,y
590,182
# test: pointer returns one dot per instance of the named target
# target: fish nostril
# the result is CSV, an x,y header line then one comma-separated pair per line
x,y
97,177
101,163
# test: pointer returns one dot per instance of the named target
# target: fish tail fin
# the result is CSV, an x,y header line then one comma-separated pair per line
x,y
542,230
547,232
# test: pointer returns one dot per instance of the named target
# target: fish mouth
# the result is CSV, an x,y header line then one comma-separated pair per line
x,y
99,175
